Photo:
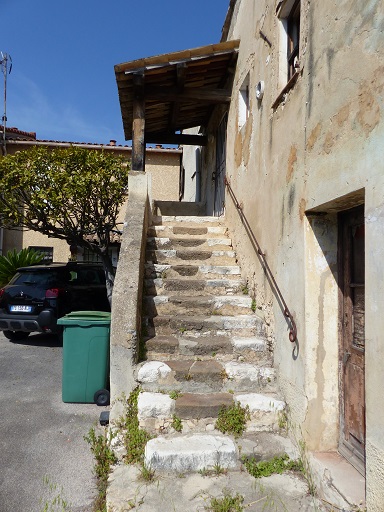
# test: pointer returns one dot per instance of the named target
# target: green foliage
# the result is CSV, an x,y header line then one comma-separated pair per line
x,y
134,437
175,394
232,420
104,460
244,289
147,474
253,305
269,467
216,470
306,468
14,260
176,423
73,194
282,420
227,503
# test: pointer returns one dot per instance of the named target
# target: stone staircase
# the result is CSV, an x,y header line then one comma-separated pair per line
x,y
206,347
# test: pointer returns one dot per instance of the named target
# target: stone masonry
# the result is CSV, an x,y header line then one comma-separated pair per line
x,y
205,347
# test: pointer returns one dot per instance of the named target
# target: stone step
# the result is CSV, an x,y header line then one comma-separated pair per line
x,y
161,207
205,376
191,452
198,243
191,256
186,220
157,270
199,411
242,325
186,231
197,305
221,286
223,348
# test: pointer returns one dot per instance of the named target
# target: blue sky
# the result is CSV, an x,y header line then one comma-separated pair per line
x,y
62,84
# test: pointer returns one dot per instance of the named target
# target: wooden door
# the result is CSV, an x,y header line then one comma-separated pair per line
x,y
352,344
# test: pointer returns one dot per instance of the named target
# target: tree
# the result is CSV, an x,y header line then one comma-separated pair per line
x,y
73,194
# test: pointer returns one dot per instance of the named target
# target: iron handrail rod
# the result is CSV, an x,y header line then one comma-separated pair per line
x,y
262,257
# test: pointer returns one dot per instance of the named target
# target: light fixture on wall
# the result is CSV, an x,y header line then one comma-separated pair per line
x,y
260,90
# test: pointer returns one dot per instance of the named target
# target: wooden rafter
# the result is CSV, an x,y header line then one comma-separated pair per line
x,y
178,91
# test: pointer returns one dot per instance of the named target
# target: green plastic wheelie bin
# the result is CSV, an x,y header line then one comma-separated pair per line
x,y
86,357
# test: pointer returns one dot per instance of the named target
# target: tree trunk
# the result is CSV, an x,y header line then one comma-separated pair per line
x,y
109,275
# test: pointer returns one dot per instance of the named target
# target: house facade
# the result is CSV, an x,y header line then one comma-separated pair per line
x,y
163,166
295,163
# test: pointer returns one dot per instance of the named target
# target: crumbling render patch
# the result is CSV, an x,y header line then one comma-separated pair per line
x,y
292,159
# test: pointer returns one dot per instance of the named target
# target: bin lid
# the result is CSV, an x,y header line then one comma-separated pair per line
x,y
86,318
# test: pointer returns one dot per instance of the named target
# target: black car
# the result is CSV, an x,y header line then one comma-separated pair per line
x,y
38,295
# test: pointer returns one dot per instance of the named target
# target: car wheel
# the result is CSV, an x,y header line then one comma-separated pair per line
x,y
101,397
16,335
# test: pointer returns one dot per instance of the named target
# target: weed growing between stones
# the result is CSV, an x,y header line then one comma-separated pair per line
x,y
176,423
298,439
147,474
269,467
233,419
253,305
216,470
227,503
134,438
306,468
282,420
175,394
244,290
104,460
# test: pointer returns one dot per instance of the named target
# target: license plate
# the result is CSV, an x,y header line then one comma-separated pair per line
x,y
23,309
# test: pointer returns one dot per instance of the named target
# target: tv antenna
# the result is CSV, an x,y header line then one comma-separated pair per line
x,y
5,60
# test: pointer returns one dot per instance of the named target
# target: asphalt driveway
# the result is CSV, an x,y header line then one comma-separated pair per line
x,y
42,451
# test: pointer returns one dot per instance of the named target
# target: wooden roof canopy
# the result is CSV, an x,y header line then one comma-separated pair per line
x,y
163,95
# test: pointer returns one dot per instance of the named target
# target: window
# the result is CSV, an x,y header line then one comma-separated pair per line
x,y
293,33
289,15
47,252
91,257
244,102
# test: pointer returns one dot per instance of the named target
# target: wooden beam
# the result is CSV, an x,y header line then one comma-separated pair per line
x,y
215,96
176,138
175,109
138,124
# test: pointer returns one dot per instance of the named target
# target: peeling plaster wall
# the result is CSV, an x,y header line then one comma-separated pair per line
x,y
293,167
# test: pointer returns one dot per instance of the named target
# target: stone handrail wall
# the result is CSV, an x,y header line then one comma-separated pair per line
x,y
127,291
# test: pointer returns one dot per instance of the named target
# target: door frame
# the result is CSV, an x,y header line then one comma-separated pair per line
x,y
220,167
346,220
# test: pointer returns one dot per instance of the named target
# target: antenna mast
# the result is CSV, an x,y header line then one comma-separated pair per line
x,y
5,57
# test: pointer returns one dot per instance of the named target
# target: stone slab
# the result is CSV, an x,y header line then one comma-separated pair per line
x,y
193,492
201,405
190,452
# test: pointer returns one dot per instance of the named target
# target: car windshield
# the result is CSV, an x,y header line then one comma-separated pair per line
x,y
53,278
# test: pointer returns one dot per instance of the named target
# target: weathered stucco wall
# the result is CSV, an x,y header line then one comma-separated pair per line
x,y
164,169
293,166
127,291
